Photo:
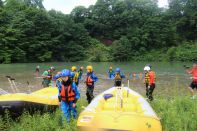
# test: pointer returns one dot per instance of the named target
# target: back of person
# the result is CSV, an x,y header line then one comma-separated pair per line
x,y
118,77
152,77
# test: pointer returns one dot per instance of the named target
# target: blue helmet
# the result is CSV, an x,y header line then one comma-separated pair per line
x,y
65,73
118,70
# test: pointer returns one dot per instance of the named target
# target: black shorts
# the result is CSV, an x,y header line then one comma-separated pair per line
x,y
193,85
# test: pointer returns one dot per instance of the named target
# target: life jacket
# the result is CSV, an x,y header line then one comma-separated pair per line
x,y
147,78
110,71
152,77
194,75
67,94
118,77
76,77
89,80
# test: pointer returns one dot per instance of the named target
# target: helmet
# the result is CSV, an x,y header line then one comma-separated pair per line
x,y
146,68
89,68
52,68
74,68
110,67
149,65
65,73
118,70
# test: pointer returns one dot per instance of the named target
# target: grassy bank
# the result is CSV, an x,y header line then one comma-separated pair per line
x,y
177,114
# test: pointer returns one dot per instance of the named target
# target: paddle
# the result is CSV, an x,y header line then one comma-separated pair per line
x,y
11,86
13,82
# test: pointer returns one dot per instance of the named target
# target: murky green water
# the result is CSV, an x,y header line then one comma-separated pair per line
x,y
171,77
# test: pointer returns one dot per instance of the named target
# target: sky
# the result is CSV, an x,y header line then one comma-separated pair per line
x,y
66,6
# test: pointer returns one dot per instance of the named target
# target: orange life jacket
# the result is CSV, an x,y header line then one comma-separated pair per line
x,y
89,81
152,77
67,93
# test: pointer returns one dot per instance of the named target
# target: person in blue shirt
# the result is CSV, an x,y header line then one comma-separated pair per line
x,y
111,73
91,78
80,71
118,77
68,95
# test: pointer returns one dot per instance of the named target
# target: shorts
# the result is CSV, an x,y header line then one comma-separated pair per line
x,y
193,85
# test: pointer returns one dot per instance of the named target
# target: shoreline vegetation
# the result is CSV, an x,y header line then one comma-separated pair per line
x,y
177,113
110,30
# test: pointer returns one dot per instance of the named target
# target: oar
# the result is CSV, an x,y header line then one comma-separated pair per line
x,y
28,87
13,81
12,88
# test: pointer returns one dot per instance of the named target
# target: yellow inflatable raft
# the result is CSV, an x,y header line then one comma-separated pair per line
x,y
119,109
43,99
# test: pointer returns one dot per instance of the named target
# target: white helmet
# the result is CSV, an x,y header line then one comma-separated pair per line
x,y
146,68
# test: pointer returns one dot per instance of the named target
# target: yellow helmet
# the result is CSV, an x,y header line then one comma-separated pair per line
x,y
89,68
110,67
74,68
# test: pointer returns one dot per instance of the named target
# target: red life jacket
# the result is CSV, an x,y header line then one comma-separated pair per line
x,y
152,77
89,81
67,93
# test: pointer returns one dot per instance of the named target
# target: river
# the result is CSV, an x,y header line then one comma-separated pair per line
x,y
171,77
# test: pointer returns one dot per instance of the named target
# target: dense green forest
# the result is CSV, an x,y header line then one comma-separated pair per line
x,y
110,30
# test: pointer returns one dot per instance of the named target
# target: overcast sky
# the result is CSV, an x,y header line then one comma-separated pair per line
x,y
66,6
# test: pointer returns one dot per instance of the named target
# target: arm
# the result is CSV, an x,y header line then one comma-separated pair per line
x,y
94,77
59,86
77,93
45,75
189,71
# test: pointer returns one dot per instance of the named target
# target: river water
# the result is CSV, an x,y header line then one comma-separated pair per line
x,y
171,77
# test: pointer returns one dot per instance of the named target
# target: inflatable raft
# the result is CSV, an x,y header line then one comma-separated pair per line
x,y
119,109
45,99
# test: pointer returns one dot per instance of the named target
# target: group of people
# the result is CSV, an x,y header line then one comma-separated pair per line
x,y
149,79
67,82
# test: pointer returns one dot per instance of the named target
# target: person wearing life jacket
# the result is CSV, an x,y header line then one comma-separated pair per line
x,y
118,77
68,95
75,78
193,84
151,87
91,78
80,71
47,77
146,79
111,72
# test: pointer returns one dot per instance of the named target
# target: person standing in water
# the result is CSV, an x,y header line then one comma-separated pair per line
x,y
91,78
75,77
111,73
80,71
118,77
152,79
37,70
47,77
193,84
